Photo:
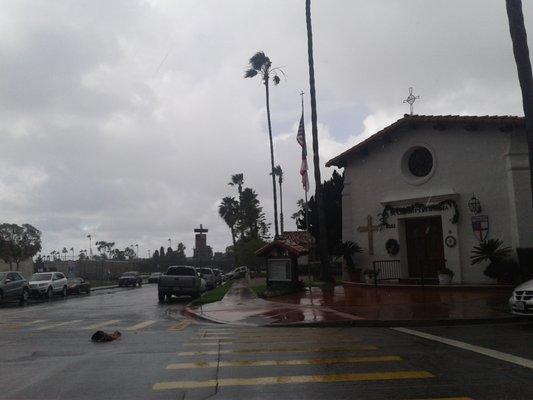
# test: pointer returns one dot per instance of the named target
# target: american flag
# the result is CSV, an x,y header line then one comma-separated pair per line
x,y
300,137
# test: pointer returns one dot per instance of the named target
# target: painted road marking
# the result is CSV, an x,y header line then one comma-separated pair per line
x,y
58,325
101,324
447,398
280,380
232,343
180,327
523,362
275,337
265,363
282,350
140,325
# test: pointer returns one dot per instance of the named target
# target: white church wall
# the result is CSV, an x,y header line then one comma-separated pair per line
x,y
465,162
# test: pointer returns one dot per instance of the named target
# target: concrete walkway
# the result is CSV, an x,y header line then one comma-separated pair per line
x,y
348,305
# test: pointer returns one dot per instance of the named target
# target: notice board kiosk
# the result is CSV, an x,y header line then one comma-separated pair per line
x,y
281,262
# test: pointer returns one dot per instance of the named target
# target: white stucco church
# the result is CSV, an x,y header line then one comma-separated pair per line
x,y
407,191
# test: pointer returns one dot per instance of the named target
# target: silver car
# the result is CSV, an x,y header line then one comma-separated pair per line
x,y
521,302
209,276
48,283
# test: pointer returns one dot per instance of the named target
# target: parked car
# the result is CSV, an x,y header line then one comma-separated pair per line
x,y
521,301
13,286
154,277
78,285
144,277
209,276
240,272
130,278
180,280
218,275
47,284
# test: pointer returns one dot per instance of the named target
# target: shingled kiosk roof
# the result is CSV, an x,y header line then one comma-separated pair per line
x,y
284,243
505,123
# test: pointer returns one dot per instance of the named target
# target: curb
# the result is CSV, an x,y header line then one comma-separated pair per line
x,y
187,312
103,287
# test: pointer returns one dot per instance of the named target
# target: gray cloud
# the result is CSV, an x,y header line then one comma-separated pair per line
x,y
126,119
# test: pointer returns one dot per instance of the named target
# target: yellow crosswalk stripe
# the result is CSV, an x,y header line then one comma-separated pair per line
x,y
274,337
101,324
298,379
265,363
57,325
446,398
180,327
140,325
323,340
280,350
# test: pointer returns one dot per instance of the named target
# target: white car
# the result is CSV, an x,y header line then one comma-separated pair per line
x,y
521,301
48,283
209,276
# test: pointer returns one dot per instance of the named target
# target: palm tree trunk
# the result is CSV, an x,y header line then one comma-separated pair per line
x,y
281,207
234,246
272,160
523,65
322,239
241,213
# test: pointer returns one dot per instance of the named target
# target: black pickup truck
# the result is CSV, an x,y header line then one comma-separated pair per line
x,y
180,280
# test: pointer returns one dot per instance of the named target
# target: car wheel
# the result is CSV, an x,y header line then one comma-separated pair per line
x,y
162,297
49,293
140,284
24,296
64,291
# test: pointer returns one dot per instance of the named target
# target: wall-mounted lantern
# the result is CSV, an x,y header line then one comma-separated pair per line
x,y
474,205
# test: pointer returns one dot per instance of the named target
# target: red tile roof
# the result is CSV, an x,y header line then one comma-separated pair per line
x,y
502,120
285,244
299,237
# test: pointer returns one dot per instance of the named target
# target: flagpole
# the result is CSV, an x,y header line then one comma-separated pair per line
x,y
307,223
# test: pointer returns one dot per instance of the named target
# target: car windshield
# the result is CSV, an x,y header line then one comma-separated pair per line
x,y
40,277
205,271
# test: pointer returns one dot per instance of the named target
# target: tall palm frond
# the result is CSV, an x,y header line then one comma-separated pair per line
x,y
259,60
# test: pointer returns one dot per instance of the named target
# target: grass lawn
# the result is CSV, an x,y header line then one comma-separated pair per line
x,y
213,295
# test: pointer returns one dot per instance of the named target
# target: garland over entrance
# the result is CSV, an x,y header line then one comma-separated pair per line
x,y
389,211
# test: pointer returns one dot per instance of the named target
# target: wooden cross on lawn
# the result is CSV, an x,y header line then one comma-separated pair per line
x,y
369,228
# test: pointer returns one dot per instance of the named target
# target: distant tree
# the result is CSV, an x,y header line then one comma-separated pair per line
x,y
18,243
237,180
332,191
65,252
180,254
118,255
228,209
129,253
161,252
252,214
82,255
260,64
105,248
155,256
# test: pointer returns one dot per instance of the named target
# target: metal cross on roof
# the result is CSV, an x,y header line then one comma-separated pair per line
x,y
411,99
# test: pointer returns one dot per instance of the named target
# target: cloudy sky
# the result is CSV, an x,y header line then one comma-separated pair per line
x,y
126,119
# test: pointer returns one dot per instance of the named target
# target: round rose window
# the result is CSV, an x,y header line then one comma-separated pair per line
x,y
420,162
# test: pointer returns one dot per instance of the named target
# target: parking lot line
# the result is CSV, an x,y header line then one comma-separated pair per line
x,y
58,325
523,362
140,325
280,350
265,363
274,337
298,379
101,324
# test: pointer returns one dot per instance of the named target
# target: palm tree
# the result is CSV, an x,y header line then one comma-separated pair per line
x,y
523,65
64,251
238,180
228,209
322,234
279,173
260,64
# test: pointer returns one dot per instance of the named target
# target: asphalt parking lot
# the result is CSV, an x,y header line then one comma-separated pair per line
x,y
47,354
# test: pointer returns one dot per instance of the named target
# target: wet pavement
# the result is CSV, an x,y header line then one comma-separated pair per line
x,y
357,303
46,353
